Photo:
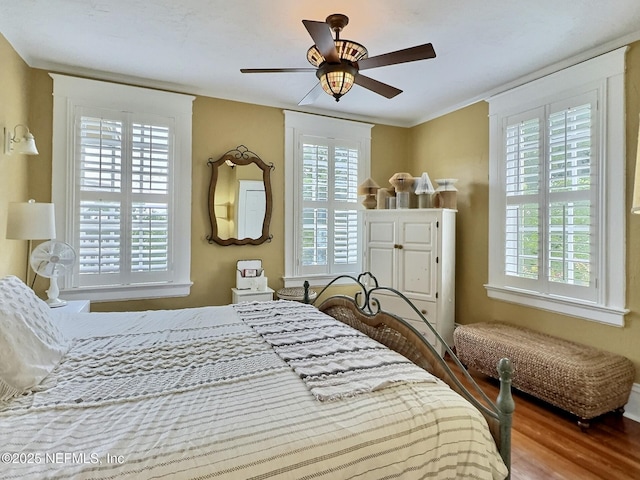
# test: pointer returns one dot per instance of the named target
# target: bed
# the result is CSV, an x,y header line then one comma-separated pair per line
x,y
261,390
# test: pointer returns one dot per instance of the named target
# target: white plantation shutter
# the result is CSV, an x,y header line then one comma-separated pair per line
x,y
571,186
329,206
556,197
100,150
523,166
345,228
149,237
151,147
325,161
123,218
124,202
315,196
99,237
345,215
100,185
550,224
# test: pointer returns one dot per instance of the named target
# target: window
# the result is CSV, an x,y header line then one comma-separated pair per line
x,y
557,192
122,163
325,160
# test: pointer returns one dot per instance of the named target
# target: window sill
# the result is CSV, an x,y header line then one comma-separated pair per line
x,y
127,292
581,309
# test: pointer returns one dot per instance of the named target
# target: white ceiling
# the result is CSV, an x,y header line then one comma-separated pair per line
x,y
199,46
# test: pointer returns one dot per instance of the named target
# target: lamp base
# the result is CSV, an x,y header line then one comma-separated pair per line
x,y
369,202
55,302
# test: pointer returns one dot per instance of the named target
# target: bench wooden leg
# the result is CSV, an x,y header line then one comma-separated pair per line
x,y
584,424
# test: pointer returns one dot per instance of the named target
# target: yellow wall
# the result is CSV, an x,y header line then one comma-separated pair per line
x,y
389,153
14,109
218,126
457,146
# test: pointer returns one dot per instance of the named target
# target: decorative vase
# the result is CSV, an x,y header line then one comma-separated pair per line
x,y
402,200
446,193
424,200
402,182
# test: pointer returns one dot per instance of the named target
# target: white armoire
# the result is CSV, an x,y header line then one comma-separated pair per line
x,y
413,251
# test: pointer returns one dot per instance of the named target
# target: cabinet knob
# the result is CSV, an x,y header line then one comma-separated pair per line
x,y
423,311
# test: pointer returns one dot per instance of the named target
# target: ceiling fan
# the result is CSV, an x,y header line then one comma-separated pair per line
x,y
338,62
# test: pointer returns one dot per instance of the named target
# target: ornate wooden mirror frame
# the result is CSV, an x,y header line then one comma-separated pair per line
x,y
241,155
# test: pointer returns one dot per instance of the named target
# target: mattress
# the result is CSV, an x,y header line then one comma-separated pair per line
x,y
232,392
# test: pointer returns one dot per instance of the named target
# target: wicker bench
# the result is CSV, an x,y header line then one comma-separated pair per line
x,y
582,380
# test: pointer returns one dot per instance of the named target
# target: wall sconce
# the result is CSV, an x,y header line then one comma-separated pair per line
x,y
24,145
369,188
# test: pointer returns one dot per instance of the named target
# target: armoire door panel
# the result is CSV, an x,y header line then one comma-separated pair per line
x,y
416,234
381,232
417,275
381,265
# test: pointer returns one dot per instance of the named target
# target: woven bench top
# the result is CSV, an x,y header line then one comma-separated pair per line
x,y
581,379
536,343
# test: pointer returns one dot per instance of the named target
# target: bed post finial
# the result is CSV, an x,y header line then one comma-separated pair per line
x,y
306,291
506,405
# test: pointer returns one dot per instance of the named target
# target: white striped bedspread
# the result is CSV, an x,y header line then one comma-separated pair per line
x,y
223,392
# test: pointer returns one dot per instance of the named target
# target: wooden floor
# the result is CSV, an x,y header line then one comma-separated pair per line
x,y
548,444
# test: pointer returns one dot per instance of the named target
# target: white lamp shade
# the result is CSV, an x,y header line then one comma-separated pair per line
x,y
26,145
423,184
368,187
31,221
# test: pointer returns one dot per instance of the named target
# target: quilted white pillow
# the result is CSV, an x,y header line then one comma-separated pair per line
x,y
30,343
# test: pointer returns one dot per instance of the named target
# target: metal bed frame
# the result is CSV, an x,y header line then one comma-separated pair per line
x,y
364,312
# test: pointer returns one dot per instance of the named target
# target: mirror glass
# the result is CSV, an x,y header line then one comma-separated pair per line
x,y
240,198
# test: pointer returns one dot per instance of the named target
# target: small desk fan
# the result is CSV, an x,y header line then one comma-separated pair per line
x,y
53,259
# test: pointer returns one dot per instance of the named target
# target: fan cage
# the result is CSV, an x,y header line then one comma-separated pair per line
x,y
52,259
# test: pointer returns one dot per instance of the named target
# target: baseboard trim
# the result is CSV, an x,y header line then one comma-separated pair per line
x,y
632,408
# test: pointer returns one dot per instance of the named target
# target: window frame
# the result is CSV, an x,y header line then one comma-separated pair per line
x,y
72,94
605,76
297,126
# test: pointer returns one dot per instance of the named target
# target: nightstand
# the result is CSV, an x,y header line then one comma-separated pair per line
x,y
251,295
73,306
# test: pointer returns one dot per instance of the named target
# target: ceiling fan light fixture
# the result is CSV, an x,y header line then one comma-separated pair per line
x,y
337,80
337,62
351,51
347,50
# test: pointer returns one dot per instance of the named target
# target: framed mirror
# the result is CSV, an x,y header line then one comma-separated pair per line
x,y
240,200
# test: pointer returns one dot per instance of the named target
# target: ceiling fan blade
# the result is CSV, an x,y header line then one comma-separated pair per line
x,y
419,52
321,35
312,96
276,70
377,87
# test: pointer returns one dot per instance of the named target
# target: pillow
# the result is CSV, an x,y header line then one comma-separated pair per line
x,y
30,343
